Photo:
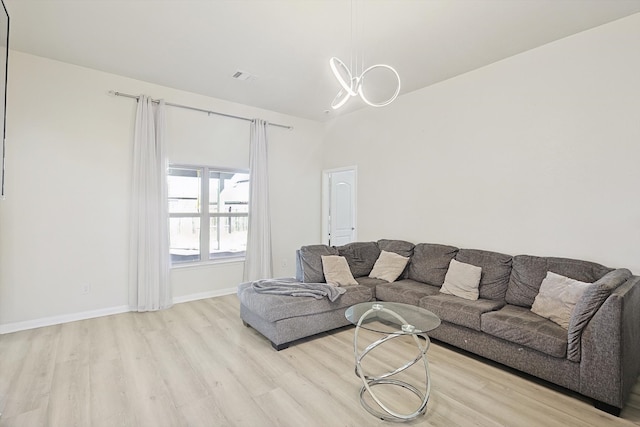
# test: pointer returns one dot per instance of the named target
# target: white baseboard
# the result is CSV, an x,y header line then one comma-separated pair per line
x,y
8,328
64,318
204,295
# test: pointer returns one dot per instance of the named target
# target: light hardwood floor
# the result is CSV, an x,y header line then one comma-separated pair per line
x,y
197,365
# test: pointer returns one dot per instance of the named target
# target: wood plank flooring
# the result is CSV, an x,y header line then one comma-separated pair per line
x,y
197,365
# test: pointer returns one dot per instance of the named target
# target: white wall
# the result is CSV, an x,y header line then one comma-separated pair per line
x,y
64,223
534,154
538,154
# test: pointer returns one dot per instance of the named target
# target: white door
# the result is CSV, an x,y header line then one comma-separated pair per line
x,y
342,207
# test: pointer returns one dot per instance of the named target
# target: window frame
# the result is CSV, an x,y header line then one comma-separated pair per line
x,y
205,215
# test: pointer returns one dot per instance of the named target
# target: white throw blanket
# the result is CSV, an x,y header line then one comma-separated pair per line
x,y
291,287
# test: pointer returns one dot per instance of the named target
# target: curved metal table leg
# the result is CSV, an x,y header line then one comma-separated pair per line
x,y
369,382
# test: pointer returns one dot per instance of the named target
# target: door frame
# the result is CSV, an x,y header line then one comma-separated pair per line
x,y
326,201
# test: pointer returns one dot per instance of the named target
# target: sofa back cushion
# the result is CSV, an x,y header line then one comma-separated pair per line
x,y
309,268
430,262
496,270
400,247
361,256
528,272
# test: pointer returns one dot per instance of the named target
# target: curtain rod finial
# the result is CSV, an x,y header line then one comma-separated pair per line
x,y
112,93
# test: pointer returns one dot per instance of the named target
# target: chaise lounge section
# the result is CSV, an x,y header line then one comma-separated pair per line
x,y
284,319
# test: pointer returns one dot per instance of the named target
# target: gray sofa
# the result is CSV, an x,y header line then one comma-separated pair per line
x,y
597,357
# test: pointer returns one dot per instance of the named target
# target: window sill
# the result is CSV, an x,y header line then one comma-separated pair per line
x,y
207,263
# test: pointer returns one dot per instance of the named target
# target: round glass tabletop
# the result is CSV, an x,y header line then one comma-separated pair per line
x,y
393,317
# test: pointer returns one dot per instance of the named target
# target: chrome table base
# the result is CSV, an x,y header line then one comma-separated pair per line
x,y
369,382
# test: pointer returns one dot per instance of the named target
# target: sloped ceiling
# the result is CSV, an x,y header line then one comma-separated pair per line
x,y
197,45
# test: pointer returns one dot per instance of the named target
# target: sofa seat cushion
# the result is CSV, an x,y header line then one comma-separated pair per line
x,y
528,272
496,270
520,326
273,308
370,282
430,262
460,311
361,256
406,291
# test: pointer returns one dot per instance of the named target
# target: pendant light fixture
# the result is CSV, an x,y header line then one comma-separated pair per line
x,y
352,83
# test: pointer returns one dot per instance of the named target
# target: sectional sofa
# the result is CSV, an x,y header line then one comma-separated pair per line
x,y
595,355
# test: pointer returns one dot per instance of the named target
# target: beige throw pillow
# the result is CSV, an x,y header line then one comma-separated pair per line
x,y
558,297
389,266
336,271
462,280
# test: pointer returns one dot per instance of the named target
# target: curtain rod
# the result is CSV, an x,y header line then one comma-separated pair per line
x,y
186,107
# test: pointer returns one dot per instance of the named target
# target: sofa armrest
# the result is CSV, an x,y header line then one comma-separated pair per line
x,y
299,272
610,346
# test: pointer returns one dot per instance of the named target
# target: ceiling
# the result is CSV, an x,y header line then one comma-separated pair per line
x,y
197,45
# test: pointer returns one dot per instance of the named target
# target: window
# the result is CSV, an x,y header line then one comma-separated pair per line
x,y
208,208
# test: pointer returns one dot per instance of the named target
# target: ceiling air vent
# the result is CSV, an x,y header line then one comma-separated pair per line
x,y
243,75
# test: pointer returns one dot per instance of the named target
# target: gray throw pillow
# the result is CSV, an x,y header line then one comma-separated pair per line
x,y
591,300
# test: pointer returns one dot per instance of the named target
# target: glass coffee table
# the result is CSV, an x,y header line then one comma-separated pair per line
x,y
392,320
